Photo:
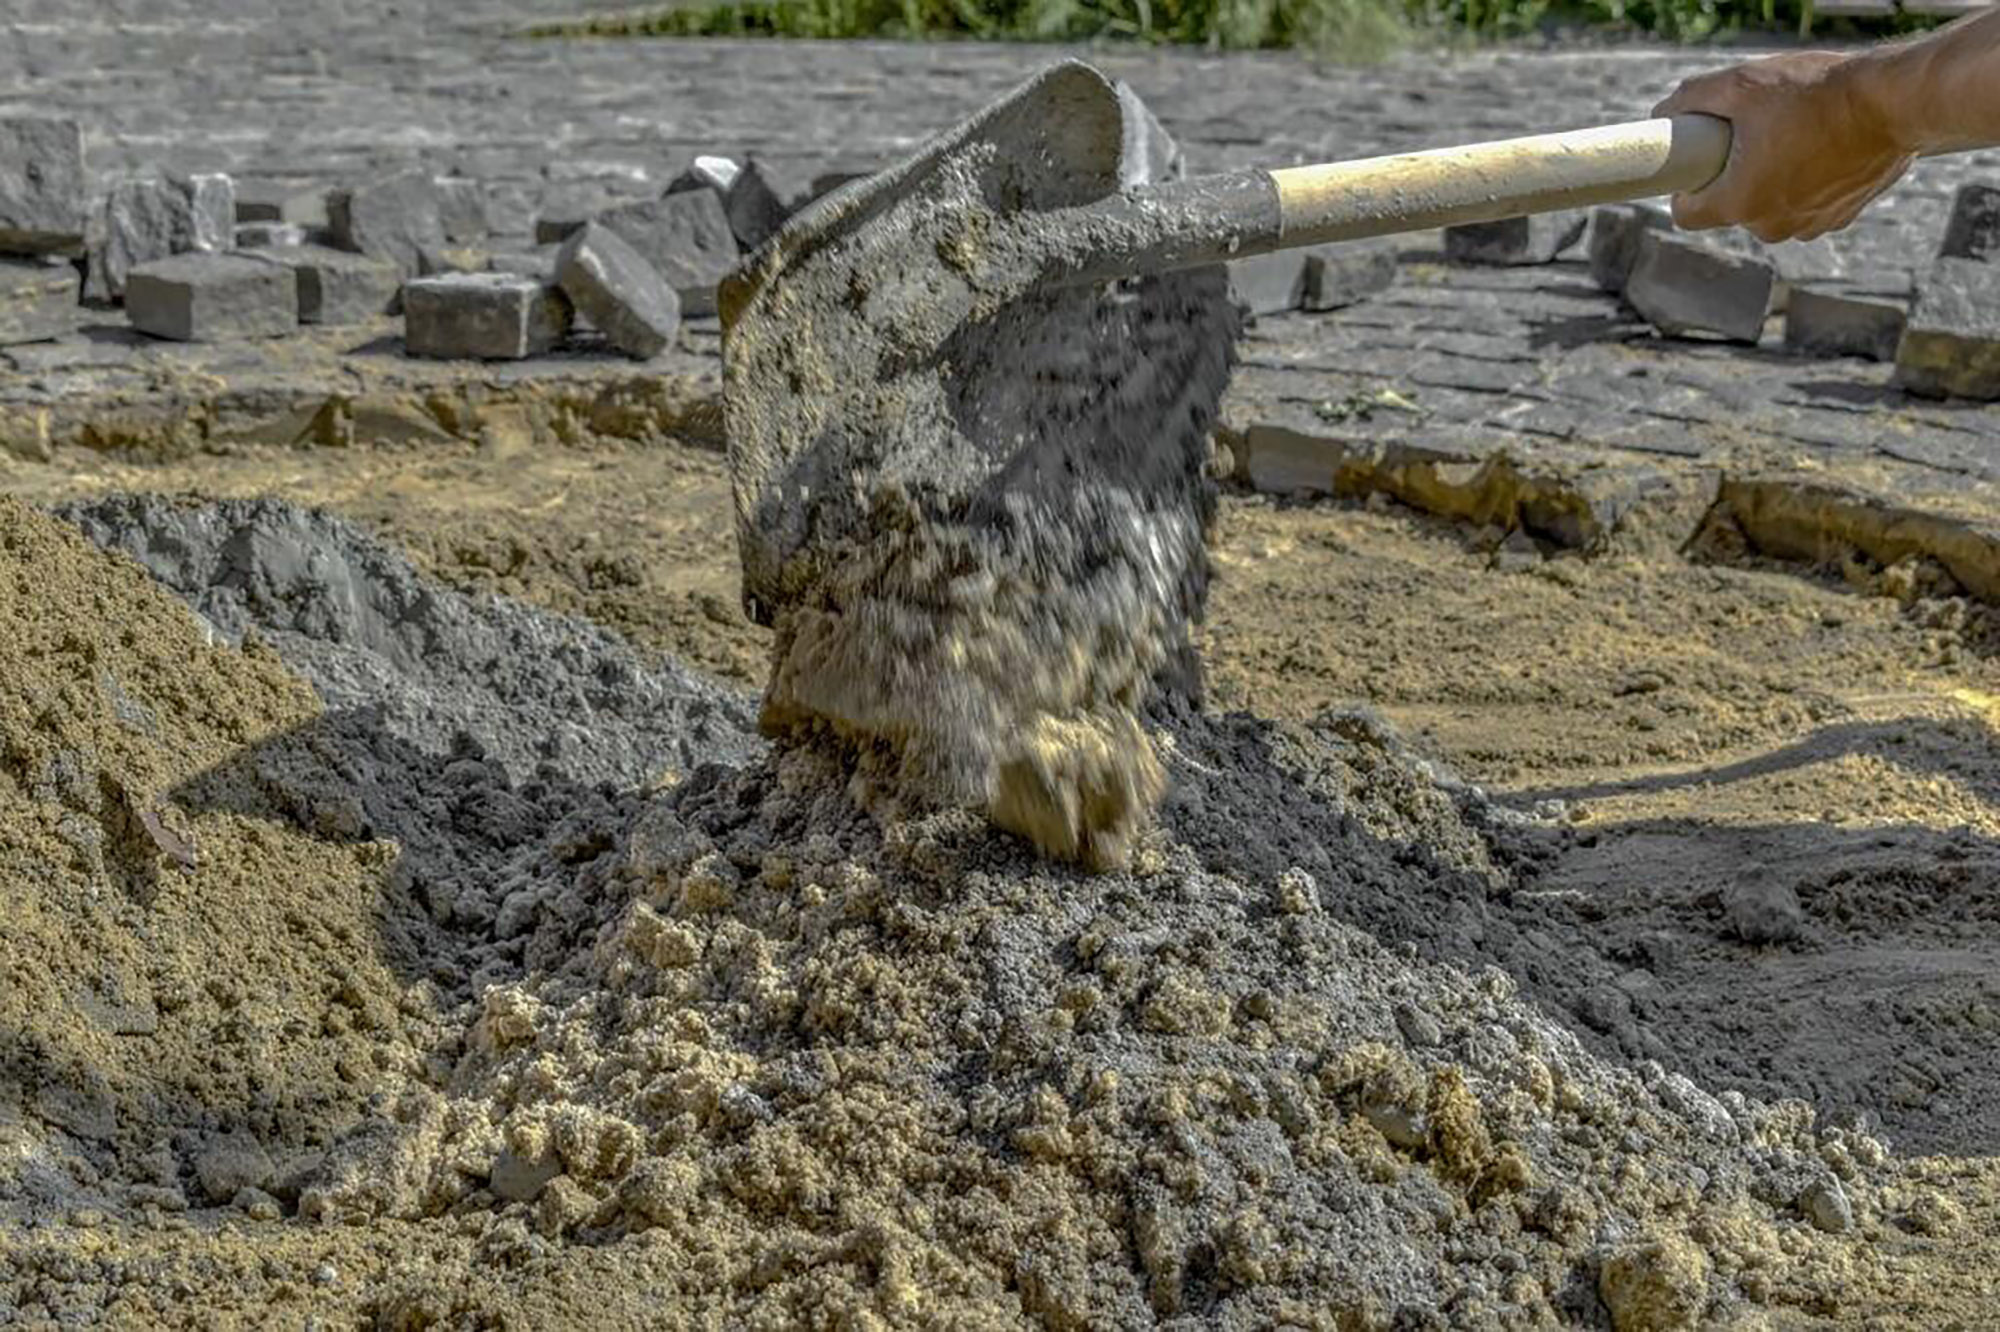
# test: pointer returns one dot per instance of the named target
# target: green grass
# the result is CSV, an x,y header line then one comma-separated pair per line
x,y
1351,30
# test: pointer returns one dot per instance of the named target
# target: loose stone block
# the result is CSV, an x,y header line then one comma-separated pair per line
x,y
619,292
686,237
268,201
759,201
211,200
42,187
555,228
1974,229
1347,274
1514,241
38,300
1680,286
462,210
1845,321
393,217
1615,230
706,173
151,217
482,316
1951,346
269,235
211,297
337,286
1268,283
539,262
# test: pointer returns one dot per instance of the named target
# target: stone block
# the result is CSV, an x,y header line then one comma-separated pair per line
x,y
394,217
1615,230
269,235
687,239
482,316
706,173
1341,275
268,201
1268,283
1514,241
759,202
621,294
1840,320
1147,154
1951,346
211,202
555,228
151,217
1681,286
1974,229
203,297
338,286
43,205
38,300
462,210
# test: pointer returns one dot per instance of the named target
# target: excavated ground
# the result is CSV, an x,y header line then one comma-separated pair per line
x,y
487,1002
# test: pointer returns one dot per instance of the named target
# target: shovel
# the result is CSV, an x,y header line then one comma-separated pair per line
x,y
969,402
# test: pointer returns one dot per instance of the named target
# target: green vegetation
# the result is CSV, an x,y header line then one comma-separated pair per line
x,y
1350,29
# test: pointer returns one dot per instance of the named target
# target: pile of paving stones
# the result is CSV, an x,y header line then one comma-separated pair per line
x,y
1940,325
198,258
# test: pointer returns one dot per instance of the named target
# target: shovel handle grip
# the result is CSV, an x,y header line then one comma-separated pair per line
x,y
1486,182
1213,218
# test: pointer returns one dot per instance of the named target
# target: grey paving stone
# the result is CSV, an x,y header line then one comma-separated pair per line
x,y
1338,276
706,172
211,200
1615,230
1514,241
1974,229
759,200
42,186
1845,321
686,237
1682,286
462,210
269,235
38,300
270,201
554,229
1951,347
201,297
393,217
482,316
621,294
337,286
1268,283
151,217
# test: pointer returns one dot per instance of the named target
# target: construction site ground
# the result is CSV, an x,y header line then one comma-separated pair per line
x,y
1755,641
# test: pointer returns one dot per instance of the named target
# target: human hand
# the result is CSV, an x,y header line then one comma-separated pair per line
x,y
1811,148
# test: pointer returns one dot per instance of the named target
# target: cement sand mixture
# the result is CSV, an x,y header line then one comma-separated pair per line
x,y
972,506
363,1001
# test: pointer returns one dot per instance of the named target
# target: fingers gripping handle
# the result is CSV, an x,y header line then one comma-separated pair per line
x,y
1490,181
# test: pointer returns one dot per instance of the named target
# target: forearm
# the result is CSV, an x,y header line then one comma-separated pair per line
x,y
1939,93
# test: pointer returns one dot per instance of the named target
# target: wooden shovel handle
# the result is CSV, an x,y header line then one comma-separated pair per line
x,y
1213,218
1485,182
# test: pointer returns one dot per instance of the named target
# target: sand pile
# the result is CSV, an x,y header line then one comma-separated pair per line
x,y
706,1022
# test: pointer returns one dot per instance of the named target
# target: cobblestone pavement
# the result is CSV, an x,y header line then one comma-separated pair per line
x,y
1531,362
